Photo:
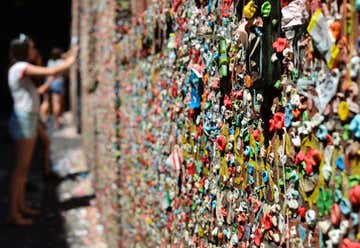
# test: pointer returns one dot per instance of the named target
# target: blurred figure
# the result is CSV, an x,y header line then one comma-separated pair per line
x,y
42,134
56,90
23,124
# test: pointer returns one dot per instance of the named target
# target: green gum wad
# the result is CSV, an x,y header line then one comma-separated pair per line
x,y
346,133
290,174
324,201
305,115
266,9
281,183
223,58
278,84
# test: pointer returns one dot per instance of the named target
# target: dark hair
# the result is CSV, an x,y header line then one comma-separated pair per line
x,y
56,53
19,49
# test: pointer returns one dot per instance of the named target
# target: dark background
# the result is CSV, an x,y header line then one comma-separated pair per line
x,y
47,21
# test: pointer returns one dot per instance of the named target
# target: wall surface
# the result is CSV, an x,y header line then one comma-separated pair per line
x,y
93,101
223,123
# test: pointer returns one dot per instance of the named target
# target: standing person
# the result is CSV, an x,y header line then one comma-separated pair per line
x,y
42,134
23,122
56,89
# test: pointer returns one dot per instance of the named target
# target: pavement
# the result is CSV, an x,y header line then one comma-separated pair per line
x,y
70,219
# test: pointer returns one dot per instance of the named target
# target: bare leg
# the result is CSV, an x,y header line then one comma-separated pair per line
x,y
57,102
44,108
21,197
46,142
24,151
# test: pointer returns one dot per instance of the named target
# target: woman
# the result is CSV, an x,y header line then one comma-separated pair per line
x,y
23,124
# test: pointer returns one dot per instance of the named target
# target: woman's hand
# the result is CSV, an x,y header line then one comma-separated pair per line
x,y
45,86
71,55
75,49
72,52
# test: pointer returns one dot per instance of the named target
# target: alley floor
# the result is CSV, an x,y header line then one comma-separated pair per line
x,y
70,217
